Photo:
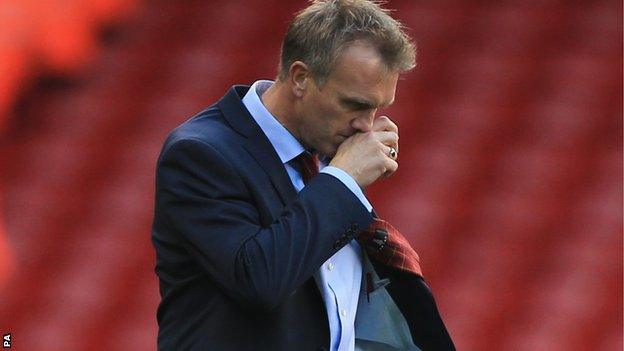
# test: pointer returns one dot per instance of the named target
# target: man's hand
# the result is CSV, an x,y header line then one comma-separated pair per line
x,y
366,156
384,123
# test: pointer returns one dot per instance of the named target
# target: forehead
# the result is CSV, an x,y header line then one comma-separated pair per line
x,y
361,72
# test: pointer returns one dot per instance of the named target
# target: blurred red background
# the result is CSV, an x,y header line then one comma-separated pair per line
x,y
510,185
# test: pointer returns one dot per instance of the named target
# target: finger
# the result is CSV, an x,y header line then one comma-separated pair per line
x,y
386,137
394,145
387,174
391,167
388,152
384,123
388,140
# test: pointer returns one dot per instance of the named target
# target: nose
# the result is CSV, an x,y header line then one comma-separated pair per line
x,y
364,122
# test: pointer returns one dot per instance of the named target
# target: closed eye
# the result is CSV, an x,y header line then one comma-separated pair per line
x,y
357,105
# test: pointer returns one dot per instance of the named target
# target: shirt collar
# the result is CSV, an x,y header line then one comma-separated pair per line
x,y
284,143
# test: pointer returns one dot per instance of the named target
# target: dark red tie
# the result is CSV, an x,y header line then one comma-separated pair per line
x,y
309,164
381,240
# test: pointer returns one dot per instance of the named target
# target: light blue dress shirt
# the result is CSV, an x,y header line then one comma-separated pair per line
x,y
339,278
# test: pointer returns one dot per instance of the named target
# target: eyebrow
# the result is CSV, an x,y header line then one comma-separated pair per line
x,y
358,103
361,103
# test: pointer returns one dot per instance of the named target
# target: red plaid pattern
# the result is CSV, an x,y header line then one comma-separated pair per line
x,y
393,251
382,241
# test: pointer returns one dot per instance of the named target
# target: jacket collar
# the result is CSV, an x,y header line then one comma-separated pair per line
x,y
231,105
257,144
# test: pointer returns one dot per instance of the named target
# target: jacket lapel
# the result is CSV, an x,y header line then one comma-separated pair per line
x,y
257,144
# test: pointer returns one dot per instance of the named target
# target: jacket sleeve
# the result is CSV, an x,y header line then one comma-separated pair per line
x,y
205,202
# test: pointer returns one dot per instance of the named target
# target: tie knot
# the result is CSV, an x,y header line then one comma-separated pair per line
x,y
309,164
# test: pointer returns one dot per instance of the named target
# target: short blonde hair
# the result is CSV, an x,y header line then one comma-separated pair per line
x,y
319,33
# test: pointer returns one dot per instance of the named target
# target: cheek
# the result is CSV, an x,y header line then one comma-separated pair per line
x,y
327,120
327,108
334,119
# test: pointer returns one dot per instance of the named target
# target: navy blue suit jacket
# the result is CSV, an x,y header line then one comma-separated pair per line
x,y
237,246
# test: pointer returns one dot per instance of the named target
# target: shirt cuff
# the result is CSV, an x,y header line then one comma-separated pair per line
x,y
350,183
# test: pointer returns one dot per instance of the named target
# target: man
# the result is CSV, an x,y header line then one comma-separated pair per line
x,y
256,249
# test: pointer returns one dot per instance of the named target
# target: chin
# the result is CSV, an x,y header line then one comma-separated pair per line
x,y
328,152
332,152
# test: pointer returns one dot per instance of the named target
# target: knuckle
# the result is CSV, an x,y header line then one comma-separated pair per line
x,y
381,154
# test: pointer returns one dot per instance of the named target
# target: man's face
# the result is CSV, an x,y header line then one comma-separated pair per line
x,y
358,86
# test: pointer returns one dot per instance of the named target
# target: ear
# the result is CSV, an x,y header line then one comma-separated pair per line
x,y
300,77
